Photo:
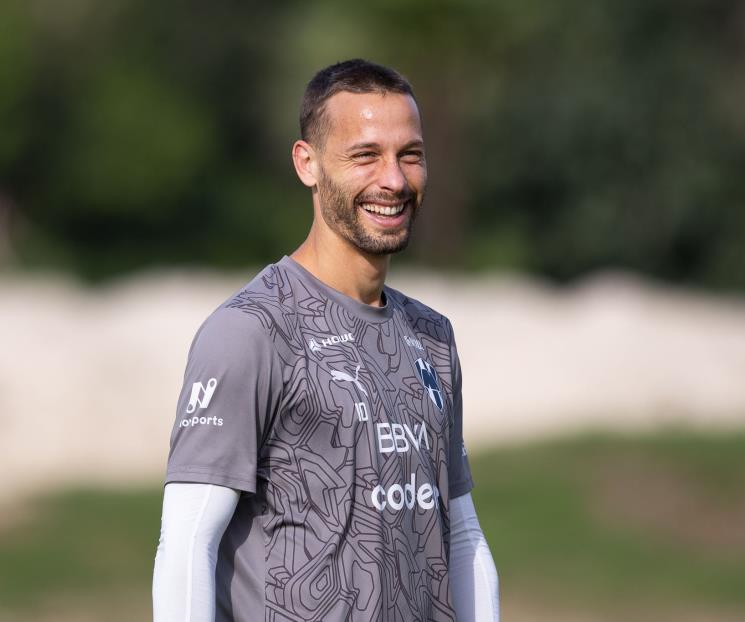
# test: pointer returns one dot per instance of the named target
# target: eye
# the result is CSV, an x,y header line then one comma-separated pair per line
x,y
364,155
412,156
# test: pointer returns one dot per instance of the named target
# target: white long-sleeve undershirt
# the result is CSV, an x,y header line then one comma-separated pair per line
x,y
195,517
474,582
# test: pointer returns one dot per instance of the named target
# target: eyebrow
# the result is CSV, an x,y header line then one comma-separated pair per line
x,y
358,146
413,143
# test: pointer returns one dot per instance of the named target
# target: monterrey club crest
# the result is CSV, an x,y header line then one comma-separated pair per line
x,y
428,376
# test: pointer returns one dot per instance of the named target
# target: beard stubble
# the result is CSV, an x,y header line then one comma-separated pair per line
x,y
340,211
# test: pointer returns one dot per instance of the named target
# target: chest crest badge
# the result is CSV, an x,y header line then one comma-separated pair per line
x,y
428,376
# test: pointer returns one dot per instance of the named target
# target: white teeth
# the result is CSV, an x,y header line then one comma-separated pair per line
x,y
382,209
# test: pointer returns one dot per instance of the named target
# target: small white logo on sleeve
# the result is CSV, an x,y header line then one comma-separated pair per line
x,y
201,395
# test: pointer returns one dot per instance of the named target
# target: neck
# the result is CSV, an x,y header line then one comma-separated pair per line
x,y
338,264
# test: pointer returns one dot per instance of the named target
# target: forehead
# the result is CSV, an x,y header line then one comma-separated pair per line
x,y
383,118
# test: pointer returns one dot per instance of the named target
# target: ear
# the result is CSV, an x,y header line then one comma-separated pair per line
x,y
305,159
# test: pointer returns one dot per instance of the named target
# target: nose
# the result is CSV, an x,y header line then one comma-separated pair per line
x,y
392,178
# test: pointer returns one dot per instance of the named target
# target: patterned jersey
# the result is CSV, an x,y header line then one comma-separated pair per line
x,y
342,425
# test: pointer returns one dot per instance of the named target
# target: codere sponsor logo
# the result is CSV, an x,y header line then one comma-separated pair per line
x,y
408,495
401,438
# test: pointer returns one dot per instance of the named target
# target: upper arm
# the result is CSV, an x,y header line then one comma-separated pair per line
x,y
231,391
459,470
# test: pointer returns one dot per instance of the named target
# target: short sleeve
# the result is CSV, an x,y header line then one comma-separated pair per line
x,y
459,471
231,392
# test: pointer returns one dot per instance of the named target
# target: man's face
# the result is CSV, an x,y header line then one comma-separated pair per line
x,y
373,171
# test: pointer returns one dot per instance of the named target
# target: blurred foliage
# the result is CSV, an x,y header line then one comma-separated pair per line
x,y
562,137
574,527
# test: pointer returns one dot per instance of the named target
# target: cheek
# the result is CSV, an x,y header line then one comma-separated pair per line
x,y
359,181
417,177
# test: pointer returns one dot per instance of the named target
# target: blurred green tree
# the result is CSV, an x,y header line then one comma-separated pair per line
x,y
562,138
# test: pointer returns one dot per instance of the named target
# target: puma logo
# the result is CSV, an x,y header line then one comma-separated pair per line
x,y
345,377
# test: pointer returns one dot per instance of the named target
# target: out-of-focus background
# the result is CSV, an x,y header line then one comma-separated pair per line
x,y
583,230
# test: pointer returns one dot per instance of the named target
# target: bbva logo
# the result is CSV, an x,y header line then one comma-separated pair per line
x,y
428,376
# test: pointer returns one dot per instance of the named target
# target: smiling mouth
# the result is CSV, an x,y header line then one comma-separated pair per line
x,y
384,210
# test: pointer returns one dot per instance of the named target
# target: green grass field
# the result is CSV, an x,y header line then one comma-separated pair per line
x,y
588,528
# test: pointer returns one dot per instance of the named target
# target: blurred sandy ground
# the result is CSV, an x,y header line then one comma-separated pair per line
x,y
89,377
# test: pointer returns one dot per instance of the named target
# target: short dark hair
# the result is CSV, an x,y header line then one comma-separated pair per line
x,y
355,76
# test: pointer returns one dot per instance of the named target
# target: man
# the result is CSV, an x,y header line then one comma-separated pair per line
x,y
317,469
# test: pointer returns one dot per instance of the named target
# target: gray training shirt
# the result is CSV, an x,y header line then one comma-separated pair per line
x,y
342,424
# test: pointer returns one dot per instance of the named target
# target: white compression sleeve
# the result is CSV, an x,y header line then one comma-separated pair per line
x,y
194,519
473,576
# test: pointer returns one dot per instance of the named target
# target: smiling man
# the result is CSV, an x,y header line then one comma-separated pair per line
x,y
317,468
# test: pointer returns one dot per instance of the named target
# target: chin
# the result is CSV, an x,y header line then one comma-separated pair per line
x,y
381,246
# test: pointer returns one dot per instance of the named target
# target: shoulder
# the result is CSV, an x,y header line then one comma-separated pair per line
x,y
420,316
267,300
266,296
247,314
264,311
